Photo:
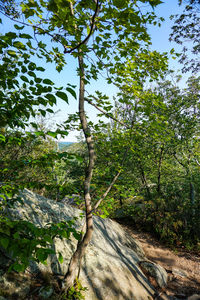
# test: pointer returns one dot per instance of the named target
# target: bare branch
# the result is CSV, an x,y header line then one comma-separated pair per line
x,y
106,192
105,113
198,163
182,164
29,25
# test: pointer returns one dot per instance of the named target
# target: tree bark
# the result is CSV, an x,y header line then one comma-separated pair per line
x,y
192,193
159,171
189,176
144,181
76,258
75,262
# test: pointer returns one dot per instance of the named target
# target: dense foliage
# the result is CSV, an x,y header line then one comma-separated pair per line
x,y
159,185
25,151
147,156
186,33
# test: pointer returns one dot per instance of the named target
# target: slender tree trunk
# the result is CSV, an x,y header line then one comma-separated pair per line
x,y
192,193
144,181
120,201
188,175
75,262
159,170
76,258
191,185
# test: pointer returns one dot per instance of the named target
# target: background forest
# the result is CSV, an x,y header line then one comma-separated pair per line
x,y
140,161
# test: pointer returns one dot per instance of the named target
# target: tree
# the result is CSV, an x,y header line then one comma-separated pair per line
x,y
160,172
93,32
185,31
22,90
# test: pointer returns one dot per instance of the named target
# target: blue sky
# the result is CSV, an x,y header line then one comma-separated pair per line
x,y
160,42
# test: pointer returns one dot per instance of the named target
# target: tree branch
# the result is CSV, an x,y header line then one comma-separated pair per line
x,y
105,113
91,30
198,163
106,192
29,25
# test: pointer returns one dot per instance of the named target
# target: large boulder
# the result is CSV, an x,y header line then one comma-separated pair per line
x,y
110,268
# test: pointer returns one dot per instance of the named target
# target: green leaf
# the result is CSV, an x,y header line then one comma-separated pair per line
x,y
154,3
79,158
39,133
51,98
77,235
60,258
71,91
25,36
65,234
53,134
4,242
103,216
41,254
43,112
63,132
37,80
32,66
19,45
24,78
16,235
120,3
18,27
32,74
34,125
88,29
40,69
2,138
50,110
18,267
48,81
62,95
12,53
48,239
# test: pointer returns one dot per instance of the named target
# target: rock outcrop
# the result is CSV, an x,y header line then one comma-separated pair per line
x,y
111,267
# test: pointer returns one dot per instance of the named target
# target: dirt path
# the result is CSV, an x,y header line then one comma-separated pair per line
x,y
183,267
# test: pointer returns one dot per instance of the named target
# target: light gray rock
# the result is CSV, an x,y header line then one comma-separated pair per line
x,y
156,271
194,297
110,268
45,292
14,285
179,272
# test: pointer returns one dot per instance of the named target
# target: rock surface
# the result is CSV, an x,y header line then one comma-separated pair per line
x,y
110,268
45,292
179,272
155,271
194,297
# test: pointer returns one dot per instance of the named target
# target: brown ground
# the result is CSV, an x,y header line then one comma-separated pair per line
x,y
182,285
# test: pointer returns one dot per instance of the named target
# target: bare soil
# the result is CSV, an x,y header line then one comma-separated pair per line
x,y
183,267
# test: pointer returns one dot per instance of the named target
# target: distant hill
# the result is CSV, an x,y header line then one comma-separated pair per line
x,y
62,145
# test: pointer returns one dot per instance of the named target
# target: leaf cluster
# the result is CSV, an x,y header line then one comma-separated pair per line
x,y
24,242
